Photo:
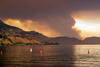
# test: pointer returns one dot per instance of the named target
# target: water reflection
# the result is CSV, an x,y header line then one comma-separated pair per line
x,y
37,56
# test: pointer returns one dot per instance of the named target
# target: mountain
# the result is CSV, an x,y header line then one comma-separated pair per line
x,y
65,40
10,34
92,40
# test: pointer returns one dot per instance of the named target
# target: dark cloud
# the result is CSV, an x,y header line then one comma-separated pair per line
x,y
37,8
56,13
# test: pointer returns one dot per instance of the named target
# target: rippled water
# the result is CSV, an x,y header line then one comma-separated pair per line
x,y
50,56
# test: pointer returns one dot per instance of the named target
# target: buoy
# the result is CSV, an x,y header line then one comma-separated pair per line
x,y
88,51
41,52
1,52
30,49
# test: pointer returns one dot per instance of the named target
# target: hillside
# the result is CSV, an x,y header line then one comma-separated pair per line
x,y
92,40
10,34
65,40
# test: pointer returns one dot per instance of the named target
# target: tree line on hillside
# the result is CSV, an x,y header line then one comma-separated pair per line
x,y
20,43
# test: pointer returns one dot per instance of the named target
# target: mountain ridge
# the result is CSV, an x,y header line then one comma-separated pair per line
x,y
13,34
10,35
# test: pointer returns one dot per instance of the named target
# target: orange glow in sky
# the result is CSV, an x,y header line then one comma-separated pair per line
x,y
30,25
87,24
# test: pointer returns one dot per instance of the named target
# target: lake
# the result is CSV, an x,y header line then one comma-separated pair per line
x,y
50,56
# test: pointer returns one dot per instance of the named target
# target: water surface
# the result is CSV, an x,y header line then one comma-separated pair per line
x,y
50,56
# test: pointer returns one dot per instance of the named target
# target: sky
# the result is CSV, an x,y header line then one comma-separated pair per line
x,y
71,18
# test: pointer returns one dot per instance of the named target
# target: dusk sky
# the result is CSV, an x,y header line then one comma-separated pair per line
x,y
71,18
